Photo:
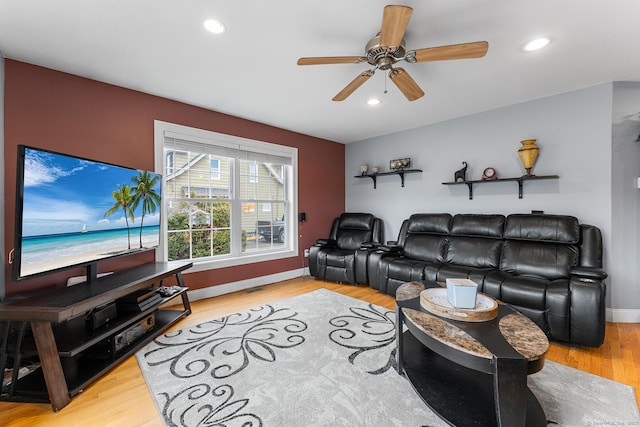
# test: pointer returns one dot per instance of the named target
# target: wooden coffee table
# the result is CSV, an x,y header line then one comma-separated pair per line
x,y
470,373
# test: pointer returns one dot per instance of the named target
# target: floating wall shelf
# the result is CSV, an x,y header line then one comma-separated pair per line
x,y
519,180
374,176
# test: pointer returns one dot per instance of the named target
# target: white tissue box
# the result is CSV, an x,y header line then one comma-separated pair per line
x,y
461,293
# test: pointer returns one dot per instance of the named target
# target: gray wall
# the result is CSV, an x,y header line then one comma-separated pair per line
x,y
626,200
2,284
573,131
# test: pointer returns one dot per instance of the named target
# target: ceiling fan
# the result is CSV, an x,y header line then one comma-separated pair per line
x,y
388,48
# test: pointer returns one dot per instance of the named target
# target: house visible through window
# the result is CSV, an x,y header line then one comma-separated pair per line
x,y
226,200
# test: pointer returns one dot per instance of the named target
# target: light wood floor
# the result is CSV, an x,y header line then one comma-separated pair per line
x,y
121,397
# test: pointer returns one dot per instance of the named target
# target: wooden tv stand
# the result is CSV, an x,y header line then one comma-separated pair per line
x,y
70,352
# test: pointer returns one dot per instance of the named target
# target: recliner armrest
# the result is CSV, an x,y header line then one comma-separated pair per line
x,y
587,310
369,245
327,242
588,273
396,249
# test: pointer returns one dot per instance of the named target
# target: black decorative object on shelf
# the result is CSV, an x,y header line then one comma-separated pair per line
x,y
399,172
461,175
519,180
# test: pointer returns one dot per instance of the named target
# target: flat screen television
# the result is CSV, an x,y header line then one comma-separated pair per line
x,y
73,212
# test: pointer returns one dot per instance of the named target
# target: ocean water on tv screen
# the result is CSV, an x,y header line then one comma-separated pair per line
x,y
39,253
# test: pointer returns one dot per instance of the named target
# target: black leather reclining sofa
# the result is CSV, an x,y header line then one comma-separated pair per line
x,y
549,267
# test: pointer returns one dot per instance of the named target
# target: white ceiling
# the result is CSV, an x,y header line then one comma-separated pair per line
x,y
160,47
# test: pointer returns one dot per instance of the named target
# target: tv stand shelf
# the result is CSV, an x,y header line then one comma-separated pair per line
x,y
71,354
73,337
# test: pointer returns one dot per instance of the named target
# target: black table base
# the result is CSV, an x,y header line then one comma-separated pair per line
x,y
459,395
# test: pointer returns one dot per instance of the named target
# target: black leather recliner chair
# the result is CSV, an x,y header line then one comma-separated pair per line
x,y
334,258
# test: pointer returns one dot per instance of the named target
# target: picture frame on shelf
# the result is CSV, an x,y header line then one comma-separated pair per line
x,y
400,164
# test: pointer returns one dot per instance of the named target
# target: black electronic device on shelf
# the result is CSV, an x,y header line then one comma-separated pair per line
x,y
115,344
102,315
139,301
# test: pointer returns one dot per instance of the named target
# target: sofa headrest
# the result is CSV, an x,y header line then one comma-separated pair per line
x,y
356,221
544,228
429,223
478,225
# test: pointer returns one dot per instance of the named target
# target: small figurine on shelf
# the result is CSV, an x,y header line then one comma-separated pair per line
x,y
461,174
375,170
364,169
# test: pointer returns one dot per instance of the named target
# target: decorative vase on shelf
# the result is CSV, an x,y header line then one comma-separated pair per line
x,y
528,154
364,169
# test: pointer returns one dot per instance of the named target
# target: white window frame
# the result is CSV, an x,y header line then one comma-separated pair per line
x,y
170,159
291,247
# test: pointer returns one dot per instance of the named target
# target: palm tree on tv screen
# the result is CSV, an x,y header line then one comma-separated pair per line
x,y
123,199
144,191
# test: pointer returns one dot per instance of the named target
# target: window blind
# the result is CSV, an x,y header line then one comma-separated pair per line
x,y
225,149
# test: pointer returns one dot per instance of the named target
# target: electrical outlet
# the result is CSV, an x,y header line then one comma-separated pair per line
x,y
306,253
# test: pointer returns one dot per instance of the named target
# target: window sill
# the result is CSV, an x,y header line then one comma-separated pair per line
x,y
212,264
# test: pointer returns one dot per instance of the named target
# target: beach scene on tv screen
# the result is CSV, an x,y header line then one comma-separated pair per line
x,y
76,211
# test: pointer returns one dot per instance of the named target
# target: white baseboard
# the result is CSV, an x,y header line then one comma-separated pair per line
x,y
623,315
227,288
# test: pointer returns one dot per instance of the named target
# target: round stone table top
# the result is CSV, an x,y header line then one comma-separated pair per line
x,y
517,329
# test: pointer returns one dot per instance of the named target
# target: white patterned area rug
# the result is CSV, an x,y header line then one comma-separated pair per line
x,y
324,359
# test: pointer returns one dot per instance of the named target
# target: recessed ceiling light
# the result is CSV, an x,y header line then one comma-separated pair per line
x,y
373,101
214,26
536,44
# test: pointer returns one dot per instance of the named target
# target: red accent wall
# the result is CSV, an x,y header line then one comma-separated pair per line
x,y
70,114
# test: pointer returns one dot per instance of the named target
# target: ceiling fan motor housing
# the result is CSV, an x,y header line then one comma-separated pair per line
x,y
383,57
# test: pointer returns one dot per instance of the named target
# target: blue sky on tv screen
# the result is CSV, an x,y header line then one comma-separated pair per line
x,y
64,194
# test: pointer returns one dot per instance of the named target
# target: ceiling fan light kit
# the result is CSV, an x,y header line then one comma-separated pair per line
x,y
388,47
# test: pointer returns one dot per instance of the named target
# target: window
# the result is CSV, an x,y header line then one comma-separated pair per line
x,y
215,169
226,200
253,172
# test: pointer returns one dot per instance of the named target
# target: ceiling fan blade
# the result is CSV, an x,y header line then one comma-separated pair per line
x,y
406,84
319,60
455,51
394,23
355,84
